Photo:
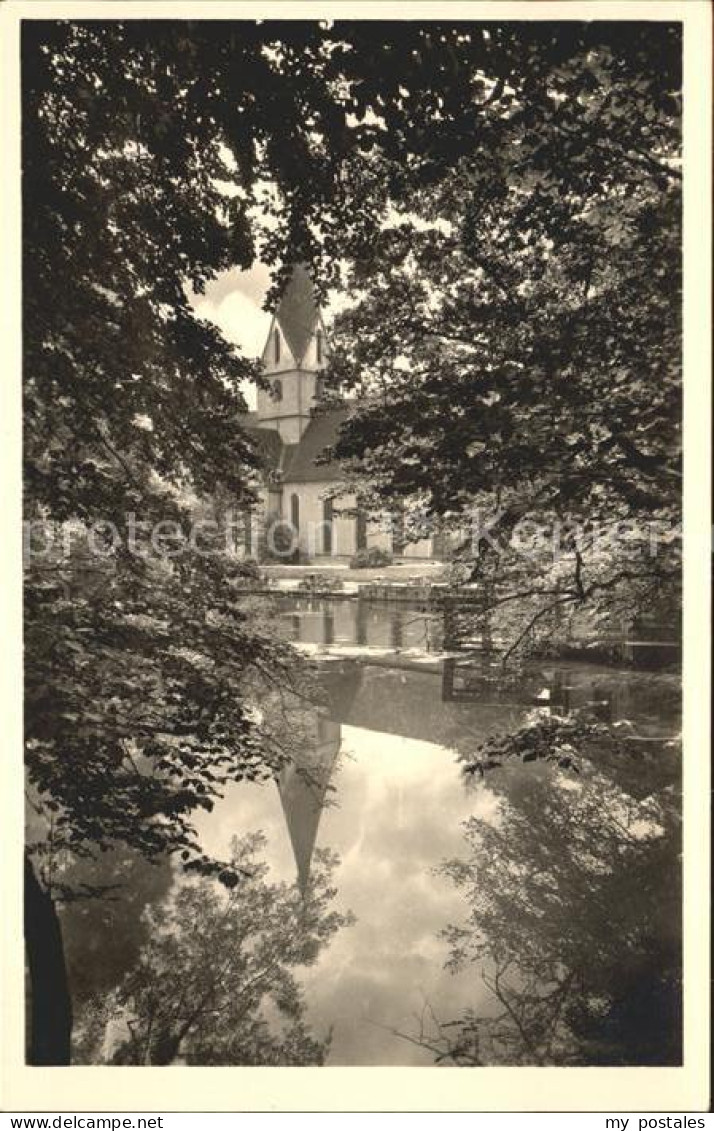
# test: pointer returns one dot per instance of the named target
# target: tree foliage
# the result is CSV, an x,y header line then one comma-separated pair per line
x,y
517,326
573,896
147,149
215,983
540,273
539,160
539,166
139,706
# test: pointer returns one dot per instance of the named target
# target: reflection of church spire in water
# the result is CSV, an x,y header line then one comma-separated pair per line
x,y
303,787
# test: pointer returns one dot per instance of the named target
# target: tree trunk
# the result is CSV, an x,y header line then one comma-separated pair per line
x,y
50,1017
165,1049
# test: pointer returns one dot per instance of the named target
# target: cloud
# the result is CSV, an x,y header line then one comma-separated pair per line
x,y
400,804
233,302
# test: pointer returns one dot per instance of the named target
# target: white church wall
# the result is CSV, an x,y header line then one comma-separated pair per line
x,y
344,527
290,412
289,404
420,549
310,359
286,361
311,540
379,535
311,496
290,415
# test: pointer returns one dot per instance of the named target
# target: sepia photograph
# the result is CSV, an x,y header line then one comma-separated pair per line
x,y
352,540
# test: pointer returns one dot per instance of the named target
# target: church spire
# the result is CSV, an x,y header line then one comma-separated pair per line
x,y
297,313
294,354
303,789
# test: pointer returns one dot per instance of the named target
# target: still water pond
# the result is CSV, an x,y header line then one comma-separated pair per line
x,y
386,792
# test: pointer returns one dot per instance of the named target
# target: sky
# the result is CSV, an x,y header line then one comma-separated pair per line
x,y
234,300
234,303
387,822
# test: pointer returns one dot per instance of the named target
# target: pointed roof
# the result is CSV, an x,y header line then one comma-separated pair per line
x,y
269,446
297,311
322,432
303,789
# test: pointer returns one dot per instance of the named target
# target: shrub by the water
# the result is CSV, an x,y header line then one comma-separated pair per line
x,y
250,569
319,583
369,559
278,542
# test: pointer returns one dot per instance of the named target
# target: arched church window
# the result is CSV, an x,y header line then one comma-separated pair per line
x,y
276,344
327,520
361,530
398,532
277,390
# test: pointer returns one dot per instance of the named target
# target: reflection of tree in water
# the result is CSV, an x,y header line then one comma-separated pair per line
x,y
574,898
215,983
103,935
129,936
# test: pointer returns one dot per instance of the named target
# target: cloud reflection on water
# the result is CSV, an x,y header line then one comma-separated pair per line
x,y
397,813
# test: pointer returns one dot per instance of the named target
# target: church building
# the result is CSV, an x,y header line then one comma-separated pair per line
x,y
292,436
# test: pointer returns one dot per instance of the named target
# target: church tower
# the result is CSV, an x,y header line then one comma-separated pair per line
x,y
294,354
